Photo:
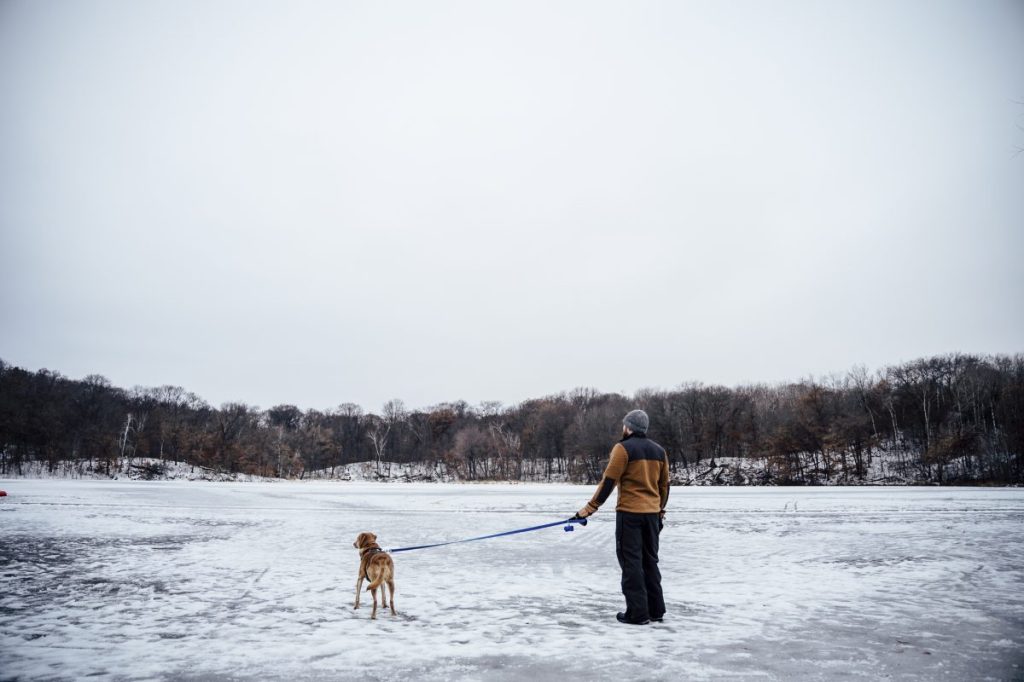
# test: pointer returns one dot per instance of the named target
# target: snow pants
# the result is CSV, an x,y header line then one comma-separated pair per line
x,y
636,546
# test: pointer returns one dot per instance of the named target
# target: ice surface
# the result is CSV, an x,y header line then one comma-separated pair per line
x,y
209,581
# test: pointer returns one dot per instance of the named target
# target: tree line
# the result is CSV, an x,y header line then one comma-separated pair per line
x,y
947,419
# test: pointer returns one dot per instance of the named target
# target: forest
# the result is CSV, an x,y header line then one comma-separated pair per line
x,y
952,419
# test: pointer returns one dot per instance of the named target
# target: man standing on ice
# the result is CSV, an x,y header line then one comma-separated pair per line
x,y
640,468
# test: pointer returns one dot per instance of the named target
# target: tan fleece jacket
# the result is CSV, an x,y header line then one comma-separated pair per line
x,y
642,480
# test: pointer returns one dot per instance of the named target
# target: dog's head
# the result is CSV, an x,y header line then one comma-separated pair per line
x,y
364,540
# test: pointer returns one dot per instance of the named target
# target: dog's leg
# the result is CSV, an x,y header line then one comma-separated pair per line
x,y
391,587
359,588
373,591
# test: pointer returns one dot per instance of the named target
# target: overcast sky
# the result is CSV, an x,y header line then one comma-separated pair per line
x,y
322,202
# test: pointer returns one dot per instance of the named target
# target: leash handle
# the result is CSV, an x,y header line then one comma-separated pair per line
x,y
567,522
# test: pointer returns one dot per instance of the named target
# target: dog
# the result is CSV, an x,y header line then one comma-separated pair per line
x,y
376,566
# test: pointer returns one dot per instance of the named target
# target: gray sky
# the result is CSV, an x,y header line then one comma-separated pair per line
x,y
321,202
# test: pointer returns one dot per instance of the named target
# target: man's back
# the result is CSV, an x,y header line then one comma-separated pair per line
x,y
639,467
644,482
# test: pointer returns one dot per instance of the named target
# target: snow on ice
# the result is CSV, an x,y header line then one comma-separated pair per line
x,y
179,580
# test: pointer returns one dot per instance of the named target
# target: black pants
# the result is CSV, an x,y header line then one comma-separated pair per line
x,y
636,546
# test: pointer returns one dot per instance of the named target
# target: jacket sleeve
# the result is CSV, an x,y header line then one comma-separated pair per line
x,y
616,467
663,484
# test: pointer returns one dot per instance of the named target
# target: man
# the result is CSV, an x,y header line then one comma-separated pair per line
x,y
639,466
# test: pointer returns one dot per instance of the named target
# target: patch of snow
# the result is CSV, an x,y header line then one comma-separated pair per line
x,y
883,468
139,468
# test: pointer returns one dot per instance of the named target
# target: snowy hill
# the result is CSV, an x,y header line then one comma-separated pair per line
x,y
883,468
137,469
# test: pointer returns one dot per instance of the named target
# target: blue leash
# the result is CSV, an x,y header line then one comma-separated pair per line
x,y
568,528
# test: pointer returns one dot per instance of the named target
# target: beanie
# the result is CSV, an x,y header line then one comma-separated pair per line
x,y
636,420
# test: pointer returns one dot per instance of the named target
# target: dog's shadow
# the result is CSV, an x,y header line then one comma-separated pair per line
x,y
384,617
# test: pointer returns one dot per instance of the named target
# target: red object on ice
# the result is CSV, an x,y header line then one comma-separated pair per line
x,y
3,493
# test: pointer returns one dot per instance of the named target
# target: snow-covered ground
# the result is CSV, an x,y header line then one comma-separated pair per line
x,y
219,581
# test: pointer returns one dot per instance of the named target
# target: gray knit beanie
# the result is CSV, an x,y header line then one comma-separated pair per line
x,y
636,420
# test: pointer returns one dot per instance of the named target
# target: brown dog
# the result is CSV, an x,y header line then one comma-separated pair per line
x,y
376,566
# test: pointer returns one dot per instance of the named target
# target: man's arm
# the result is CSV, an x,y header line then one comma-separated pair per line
x,y
616,467
663,484
663,491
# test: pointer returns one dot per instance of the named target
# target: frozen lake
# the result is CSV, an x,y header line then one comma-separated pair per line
x,y
219,581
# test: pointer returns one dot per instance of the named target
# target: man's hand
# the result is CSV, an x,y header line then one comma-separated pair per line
x,y
581,514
